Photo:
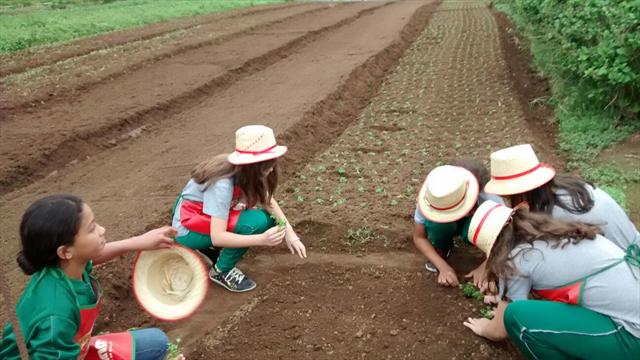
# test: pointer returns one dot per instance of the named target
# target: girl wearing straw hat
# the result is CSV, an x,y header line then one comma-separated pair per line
x,y
445,204
61,242
228,204
590,287
517,174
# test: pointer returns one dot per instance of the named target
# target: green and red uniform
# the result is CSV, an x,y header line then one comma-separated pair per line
x,y
592,301
57,315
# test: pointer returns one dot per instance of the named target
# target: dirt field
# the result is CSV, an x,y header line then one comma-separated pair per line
x,y
368,96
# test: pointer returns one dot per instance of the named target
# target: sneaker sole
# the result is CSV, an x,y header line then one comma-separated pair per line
x,y
230,289
435,271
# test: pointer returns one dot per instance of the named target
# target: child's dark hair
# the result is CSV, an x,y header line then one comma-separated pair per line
x,y
48,223
545,198
476,167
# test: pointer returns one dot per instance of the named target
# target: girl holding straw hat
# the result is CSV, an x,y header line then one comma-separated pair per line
x,y
61,242
590,287
228,206
517,174
445,204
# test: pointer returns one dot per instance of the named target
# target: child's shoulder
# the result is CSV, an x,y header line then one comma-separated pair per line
x,y
47,294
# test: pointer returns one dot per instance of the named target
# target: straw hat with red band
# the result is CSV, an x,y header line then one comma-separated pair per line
x,y
170,284
487,223
448,194
254,144
516,170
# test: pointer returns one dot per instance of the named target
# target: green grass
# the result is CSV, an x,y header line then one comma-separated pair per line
x,y
24,24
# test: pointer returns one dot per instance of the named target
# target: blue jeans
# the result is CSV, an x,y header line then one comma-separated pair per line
x,y
151,344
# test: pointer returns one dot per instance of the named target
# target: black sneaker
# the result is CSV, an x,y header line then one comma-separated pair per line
x,y
233,280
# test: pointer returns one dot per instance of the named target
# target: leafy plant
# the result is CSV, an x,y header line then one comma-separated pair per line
x,y
363,235
281,223
470,291
173,350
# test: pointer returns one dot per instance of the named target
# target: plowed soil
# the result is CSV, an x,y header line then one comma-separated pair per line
x,y
367,95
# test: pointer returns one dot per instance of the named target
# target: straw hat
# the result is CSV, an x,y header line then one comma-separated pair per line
x,y
255,143
516,170
170,284
486,224
448,194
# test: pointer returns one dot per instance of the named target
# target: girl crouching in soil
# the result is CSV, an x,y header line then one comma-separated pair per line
x,y
228,206
446,202
590,286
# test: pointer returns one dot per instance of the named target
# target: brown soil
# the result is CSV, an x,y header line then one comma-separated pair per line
x,y
402,316
368,96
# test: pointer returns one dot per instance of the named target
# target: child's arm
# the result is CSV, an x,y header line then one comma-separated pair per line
x,y
155,239
447,276
293,241
493,329
222,238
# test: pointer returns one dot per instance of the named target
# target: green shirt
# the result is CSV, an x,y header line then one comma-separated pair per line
x,y
49,315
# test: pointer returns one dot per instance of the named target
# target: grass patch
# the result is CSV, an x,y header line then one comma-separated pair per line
x,y
24,24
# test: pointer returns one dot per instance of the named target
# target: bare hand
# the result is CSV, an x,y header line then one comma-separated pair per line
x,y
481,281
273,236
478,326
296,247
447,277
491,299
160,238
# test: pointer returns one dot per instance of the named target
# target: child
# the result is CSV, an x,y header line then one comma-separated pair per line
x,y
590,286
446,202
517,174
61,242
229,204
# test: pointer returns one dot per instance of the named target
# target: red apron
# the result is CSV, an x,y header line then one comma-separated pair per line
x,y
193,219
118,346
571,293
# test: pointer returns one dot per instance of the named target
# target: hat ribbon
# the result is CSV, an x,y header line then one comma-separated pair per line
x,y
464,195
484,218
257,152
508,177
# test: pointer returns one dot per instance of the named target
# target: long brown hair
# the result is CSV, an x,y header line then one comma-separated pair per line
x,y
545,197
524,228
257,188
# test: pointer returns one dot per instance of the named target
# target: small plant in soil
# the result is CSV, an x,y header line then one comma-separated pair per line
x,y
486,312
363,235
173,350
470,291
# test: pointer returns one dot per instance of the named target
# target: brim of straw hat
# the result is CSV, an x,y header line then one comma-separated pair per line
x,y
154,272
490,225
521,184
238,158
456,213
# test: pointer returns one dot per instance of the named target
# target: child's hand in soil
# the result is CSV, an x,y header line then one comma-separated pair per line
x,y
481,281
273,236
491,299
478,326
447,277
159,238
296,246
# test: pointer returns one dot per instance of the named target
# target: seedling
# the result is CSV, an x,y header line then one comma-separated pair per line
x,y
486,312
470,291
173,350
281,223
363,235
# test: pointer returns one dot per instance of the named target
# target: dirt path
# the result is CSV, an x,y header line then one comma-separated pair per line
x,y
133,185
